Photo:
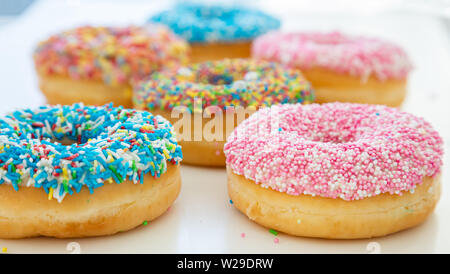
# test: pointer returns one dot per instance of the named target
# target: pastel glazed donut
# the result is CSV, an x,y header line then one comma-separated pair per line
x,y
216,31
340,67
76,171
94,65
336,170
206,101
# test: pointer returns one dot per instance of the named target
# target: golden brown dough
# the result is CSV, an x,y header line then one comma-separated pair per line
x,y
320,217
110,209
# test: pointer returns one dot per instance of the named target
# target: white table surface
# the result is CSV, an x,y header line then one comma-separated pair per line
x,y
202,220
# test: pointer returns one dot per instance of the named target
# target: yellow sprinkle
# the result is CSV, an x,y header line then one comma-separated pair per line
x,y
4,250
166,153
65,172
110,180
50,194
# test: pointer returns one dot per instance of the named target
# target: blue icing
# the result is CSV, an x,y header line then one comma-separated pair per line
x,y
209,23
112,144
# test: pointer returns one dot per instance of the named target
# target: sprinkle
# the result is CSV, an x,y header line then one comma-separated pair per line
x,y
276,240
231,202
4,249
145,223
242,235
50,193
274,232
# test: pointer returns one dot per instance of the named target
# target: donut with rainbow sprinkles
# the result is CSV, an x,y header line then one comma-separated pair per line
x,y
205,101
95,64
77,171
341,68
336,170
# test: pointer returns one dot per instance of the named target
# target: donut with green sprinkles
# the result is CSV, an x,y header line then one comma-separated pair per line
x,y
225,83
62,149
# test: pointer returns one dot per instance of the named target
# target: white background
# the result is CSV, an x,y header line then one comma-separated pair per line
x,y
202,220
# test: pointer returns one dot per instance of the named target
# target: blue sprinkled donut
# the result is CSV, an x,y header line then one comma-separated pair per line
x,y
107,144
199,23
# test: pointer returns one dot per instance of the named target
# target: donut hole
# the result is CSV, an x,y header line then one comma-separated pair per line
x,y
220,79
319,39
51,131
328,127
236,78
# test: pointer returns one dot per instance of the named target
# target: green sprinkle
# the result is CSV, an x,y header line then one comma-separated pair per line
x,y
74,174
274,232
113,169
145,223
66,188
133,166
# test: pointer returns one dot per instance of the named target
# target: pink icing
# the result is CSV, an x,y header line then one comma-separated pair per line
x,y
357,56
337,150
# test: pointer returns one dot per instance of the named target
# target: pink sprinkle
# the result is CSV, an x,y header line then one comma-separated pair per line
x,y
217,152
243,235
337,150
276,240
357,56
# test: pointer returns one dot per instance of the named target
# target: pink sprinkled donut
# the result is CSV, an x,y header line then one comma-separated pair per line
x,y
341,67
345,170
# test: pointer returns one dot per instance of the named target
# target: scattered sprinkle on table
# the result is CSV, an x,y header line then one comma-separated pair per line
x,y
274,232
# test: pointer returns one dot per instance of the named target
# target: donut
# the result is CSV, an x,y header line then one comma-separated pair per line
x,y
340,67
205,101
337,170
94,64
216,31
78,171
